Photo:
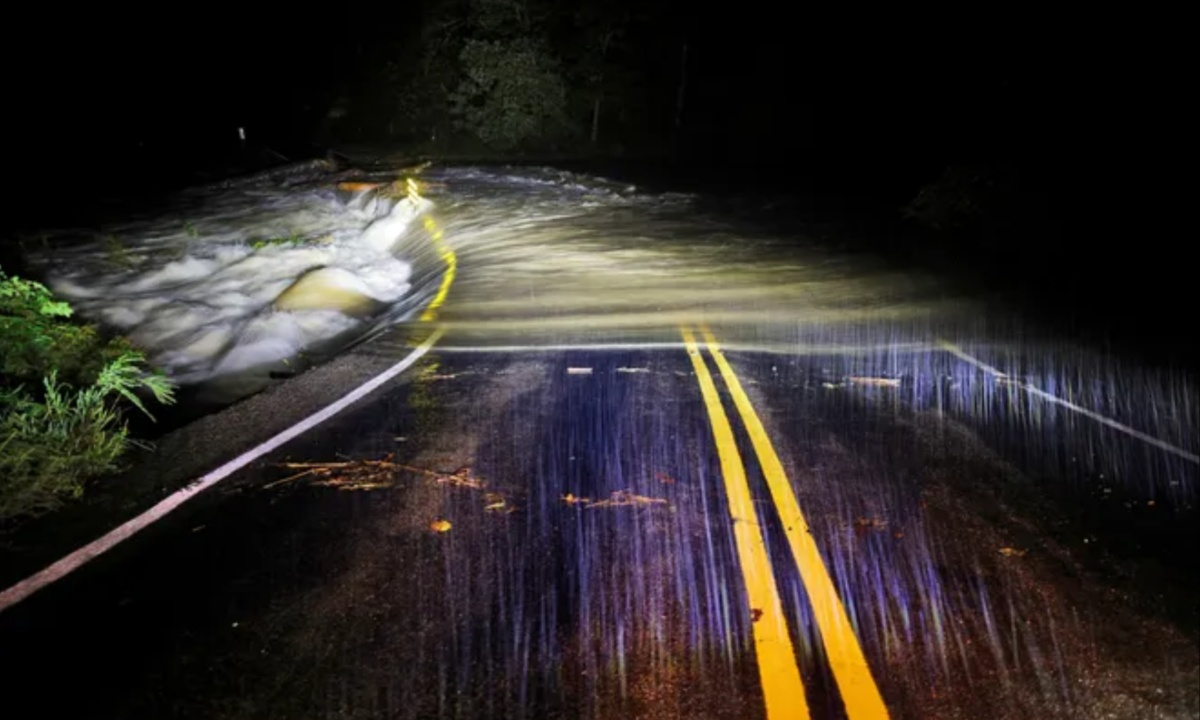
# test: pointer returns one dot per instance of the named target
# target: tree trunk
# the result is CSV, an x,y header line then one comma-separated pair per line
x,y
604,43
682,87
596,120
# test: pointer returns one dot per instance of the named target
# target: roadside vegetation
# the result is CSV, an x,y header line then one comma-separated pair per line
x,y
64,392
516,77
294,239
990,210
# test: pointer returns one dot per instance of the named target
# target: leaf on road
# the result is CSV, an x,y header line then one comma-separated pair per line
x,y
863,525
440,526
496,503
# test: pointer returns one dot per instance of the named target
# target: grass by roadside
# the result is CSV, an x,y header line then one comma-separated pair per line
x,y
64,392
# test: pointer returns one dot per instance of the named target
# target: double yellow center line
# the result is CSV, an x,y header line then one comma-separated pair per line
x,y
783,690
413,194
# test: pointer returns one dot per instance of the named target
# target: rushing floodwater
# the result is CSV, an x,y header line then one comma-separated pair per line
x,y
209,286
550,259
256,278
242,279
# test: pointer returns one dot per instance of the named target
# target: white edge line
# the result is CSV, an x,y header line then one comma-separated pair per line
x,y
128,529
1160,444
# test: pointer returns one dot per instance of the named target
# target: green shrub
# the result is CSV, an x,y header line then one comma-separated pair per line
x,y
961,196
63,389
295,239
512,92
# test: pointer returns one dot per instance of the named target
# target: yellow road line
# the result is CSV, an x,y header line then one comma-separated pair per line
x,y
451,260
782,688
850,669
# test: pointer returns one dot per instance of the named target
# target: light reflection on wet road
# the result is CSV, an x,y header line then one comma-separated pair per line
x,y
589,568
548,532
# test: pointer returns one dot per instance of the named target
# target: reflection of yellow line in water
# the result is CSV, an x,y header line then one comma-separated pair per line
x,y
846,659
783,691
444,250
451,261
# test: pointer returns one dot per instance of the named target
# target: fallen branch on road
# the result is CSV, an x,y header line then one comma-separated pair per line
x,y
370,474
619,498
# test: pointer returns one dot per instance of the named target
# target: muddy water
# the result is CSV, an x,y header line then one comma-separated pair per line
x,y
547,258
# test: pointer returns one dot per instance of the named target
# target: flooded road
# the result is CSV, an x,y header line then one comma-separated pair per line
x,y
662,466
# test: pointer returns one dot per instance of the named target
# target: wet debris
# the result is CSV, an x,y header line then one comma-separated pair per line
x,y
430,373
346,483
496,503
875,381
397,189
863,525
356,187
370,474
619,498
460,478
446,376
416,169
351,475
861,381
348,475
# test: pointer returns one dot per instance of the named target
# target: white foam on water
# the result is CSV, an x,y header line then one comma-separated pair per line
x,y
197,286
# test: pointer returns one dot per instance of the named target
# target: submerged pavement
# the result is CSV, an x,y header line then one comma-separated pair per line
x,y
709,507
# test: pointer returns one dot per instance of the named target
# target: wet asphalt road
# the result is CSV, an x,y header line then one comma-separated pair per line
x,y
549,534
562,511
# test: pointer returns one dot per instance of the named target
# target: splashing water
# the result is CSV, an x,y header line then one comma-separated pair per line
x,y
240,280
896,441
243,280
